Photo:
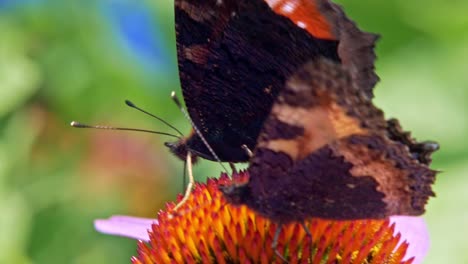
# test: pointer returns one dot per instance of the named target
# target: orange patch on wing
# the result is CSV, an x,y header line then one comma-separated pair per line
x,y
392,180
322,125
305,14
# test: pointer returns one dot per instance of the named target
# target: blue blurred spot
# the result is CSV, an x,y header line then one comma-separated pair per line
x,y
136,29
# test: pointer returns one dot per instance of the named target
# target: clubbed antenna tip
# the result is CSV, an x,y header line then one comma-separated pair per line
x,y
129,103
77,124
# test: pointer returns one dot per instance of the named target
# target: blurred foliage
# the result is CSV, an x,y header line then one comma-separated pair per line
x,y
66,60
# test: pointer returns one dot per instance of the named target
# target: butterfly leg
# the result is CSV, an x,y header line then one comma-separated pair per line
x,y
188,191
233,168
309,234
184,177
247,150
274,244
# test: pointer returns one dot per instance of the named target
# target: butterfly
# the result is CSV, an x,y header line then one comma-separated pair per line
x,y
326,151
293,81
234,57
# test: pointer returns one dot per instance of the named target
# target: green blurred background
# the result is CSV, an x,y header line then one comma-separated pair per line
x,y
79,60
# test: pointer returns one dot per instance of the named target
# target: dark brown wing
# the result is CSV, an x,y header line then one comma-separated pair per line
x,y
235,56
324,19
326,151
421,151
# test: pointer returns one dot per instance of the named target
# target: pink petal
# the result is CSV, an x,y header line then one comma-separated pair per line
x,y
414,231
126,226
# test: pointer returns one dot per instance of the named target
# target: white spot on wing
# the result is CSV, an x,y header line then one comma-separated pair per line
x,y
273,3
301,24
289,7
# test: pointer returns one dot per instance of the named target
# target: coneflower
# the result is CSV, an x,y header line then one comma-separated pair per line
x,y
208,230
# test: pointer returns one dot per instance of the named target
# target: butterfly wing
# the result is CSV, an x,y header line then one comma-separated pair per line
x,y
326,151
235,55
324,19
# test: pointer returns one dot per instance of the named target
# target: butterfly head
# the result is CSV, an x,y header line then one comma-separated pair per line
x,y
180,149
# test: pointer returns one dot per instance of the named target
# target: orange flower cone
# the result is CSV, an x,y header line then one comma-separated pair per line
x,y
208,230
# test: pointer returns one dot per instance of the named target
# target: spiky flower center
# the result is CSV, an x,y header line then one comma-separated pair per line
x,y
208,230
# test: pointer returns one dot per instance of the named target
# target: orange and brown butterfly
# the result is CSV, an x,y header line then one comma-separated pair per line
x,y
234,57
326,151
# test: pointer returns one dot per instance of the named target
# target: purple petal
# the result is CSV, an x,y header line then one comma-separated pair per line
x,y
126,226
414,231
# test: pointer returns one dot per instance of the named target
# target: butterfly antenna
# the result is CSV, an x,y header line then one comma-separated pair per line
x,y
210,149
81,125
132,105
